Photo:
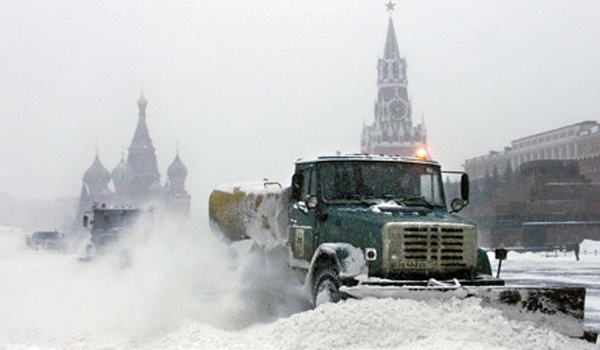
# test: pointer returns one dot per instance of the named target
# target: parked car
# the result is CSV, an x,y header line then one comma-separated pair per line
x,y
48,240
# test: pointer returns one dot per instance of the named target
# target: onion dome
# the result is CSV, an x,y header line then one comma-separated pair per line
x,y
97,173
177,168
122,174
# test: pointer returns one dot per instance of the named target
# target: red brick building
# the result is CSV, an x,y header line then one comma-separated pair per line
x,y
545,203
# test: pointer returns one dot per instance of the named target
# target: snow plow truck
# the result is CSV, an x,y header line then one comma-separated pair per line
x,y
107,225
360,226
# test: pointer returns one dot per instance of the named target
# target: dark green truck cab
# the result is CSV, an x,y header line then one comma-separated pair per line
x,y
380,220
107,225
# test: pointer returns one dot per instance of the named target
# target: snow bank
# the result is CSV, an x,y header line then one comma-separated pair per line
x,y
378,324
589,246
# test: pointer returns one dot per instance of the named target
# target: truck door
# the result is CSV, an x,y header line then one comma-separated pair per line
x,y
303,226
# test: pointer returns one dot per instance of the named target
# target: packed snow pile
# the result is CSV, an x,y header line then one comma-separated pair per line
x,y
378,324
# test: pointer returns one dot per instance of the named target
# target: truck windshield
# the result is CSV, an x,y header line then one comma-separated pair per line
x,y
406,183
47,235
113,218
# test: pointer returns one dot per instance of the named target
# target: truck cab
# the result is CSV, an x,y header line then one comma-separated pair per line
x,y
107,225
47,240
386,216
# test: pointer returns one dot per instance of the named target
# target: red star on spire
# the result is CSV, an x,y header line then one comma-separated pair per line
x,y
390,6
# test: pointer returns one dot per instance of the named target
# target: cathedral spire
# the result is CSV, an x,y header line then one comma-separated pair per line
x,y
141,138
142,157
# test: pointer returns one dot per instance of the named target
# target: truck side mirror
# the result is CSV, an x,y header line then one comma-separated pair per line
x,y
457,205
85,221
297,181
464,187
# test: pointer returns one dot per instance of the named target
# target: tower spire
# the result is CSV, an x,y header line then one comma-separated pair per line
x,y
142,158
141,137
391,50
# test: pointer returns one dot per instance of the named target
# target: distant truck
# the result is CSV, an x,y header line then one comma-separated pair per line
x,y
107,225
47,240
360,225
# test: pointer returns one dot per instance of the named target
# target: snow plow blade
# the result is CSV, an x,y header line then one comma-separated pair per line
x,y
560,309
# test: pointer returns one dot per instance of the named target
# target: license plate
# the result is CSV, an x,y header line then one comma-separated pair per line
x,y
417,264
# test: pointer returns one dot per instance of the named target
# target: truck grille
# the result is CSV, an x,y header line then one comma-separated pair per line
x,y
415,248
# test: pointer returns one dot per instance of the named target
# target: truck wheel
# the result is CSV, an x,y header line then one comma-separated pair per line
x,y
326,288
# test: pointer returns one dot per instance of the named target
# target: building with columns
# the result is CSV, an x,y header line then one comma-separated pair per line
x,y
579,141
542,191
135,181
392,131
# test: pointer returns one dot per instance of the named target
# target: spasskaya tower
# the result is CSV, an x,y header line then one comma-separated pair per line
x,y
392,132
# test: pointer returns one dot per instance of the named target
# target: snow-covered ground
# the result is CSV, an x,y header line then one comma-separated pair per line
x,y
183,290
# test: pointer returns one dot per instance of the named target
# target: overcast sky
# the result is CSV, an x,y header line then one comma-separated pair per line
x,y
246,87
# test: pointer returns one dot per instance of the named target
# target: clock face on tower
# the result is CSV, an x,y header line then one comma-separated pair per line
x,y
397,109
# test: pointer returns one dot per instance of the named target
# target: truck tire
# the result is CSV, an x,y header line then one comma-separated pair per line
x,y
326,287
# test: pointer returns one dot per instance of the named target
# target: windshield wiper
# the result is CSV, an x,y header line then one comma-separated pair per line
x,y
415,201
368,200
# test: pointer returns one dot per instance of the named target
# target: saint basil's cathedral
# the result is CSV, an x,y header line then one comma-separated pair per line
x,y
136,181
